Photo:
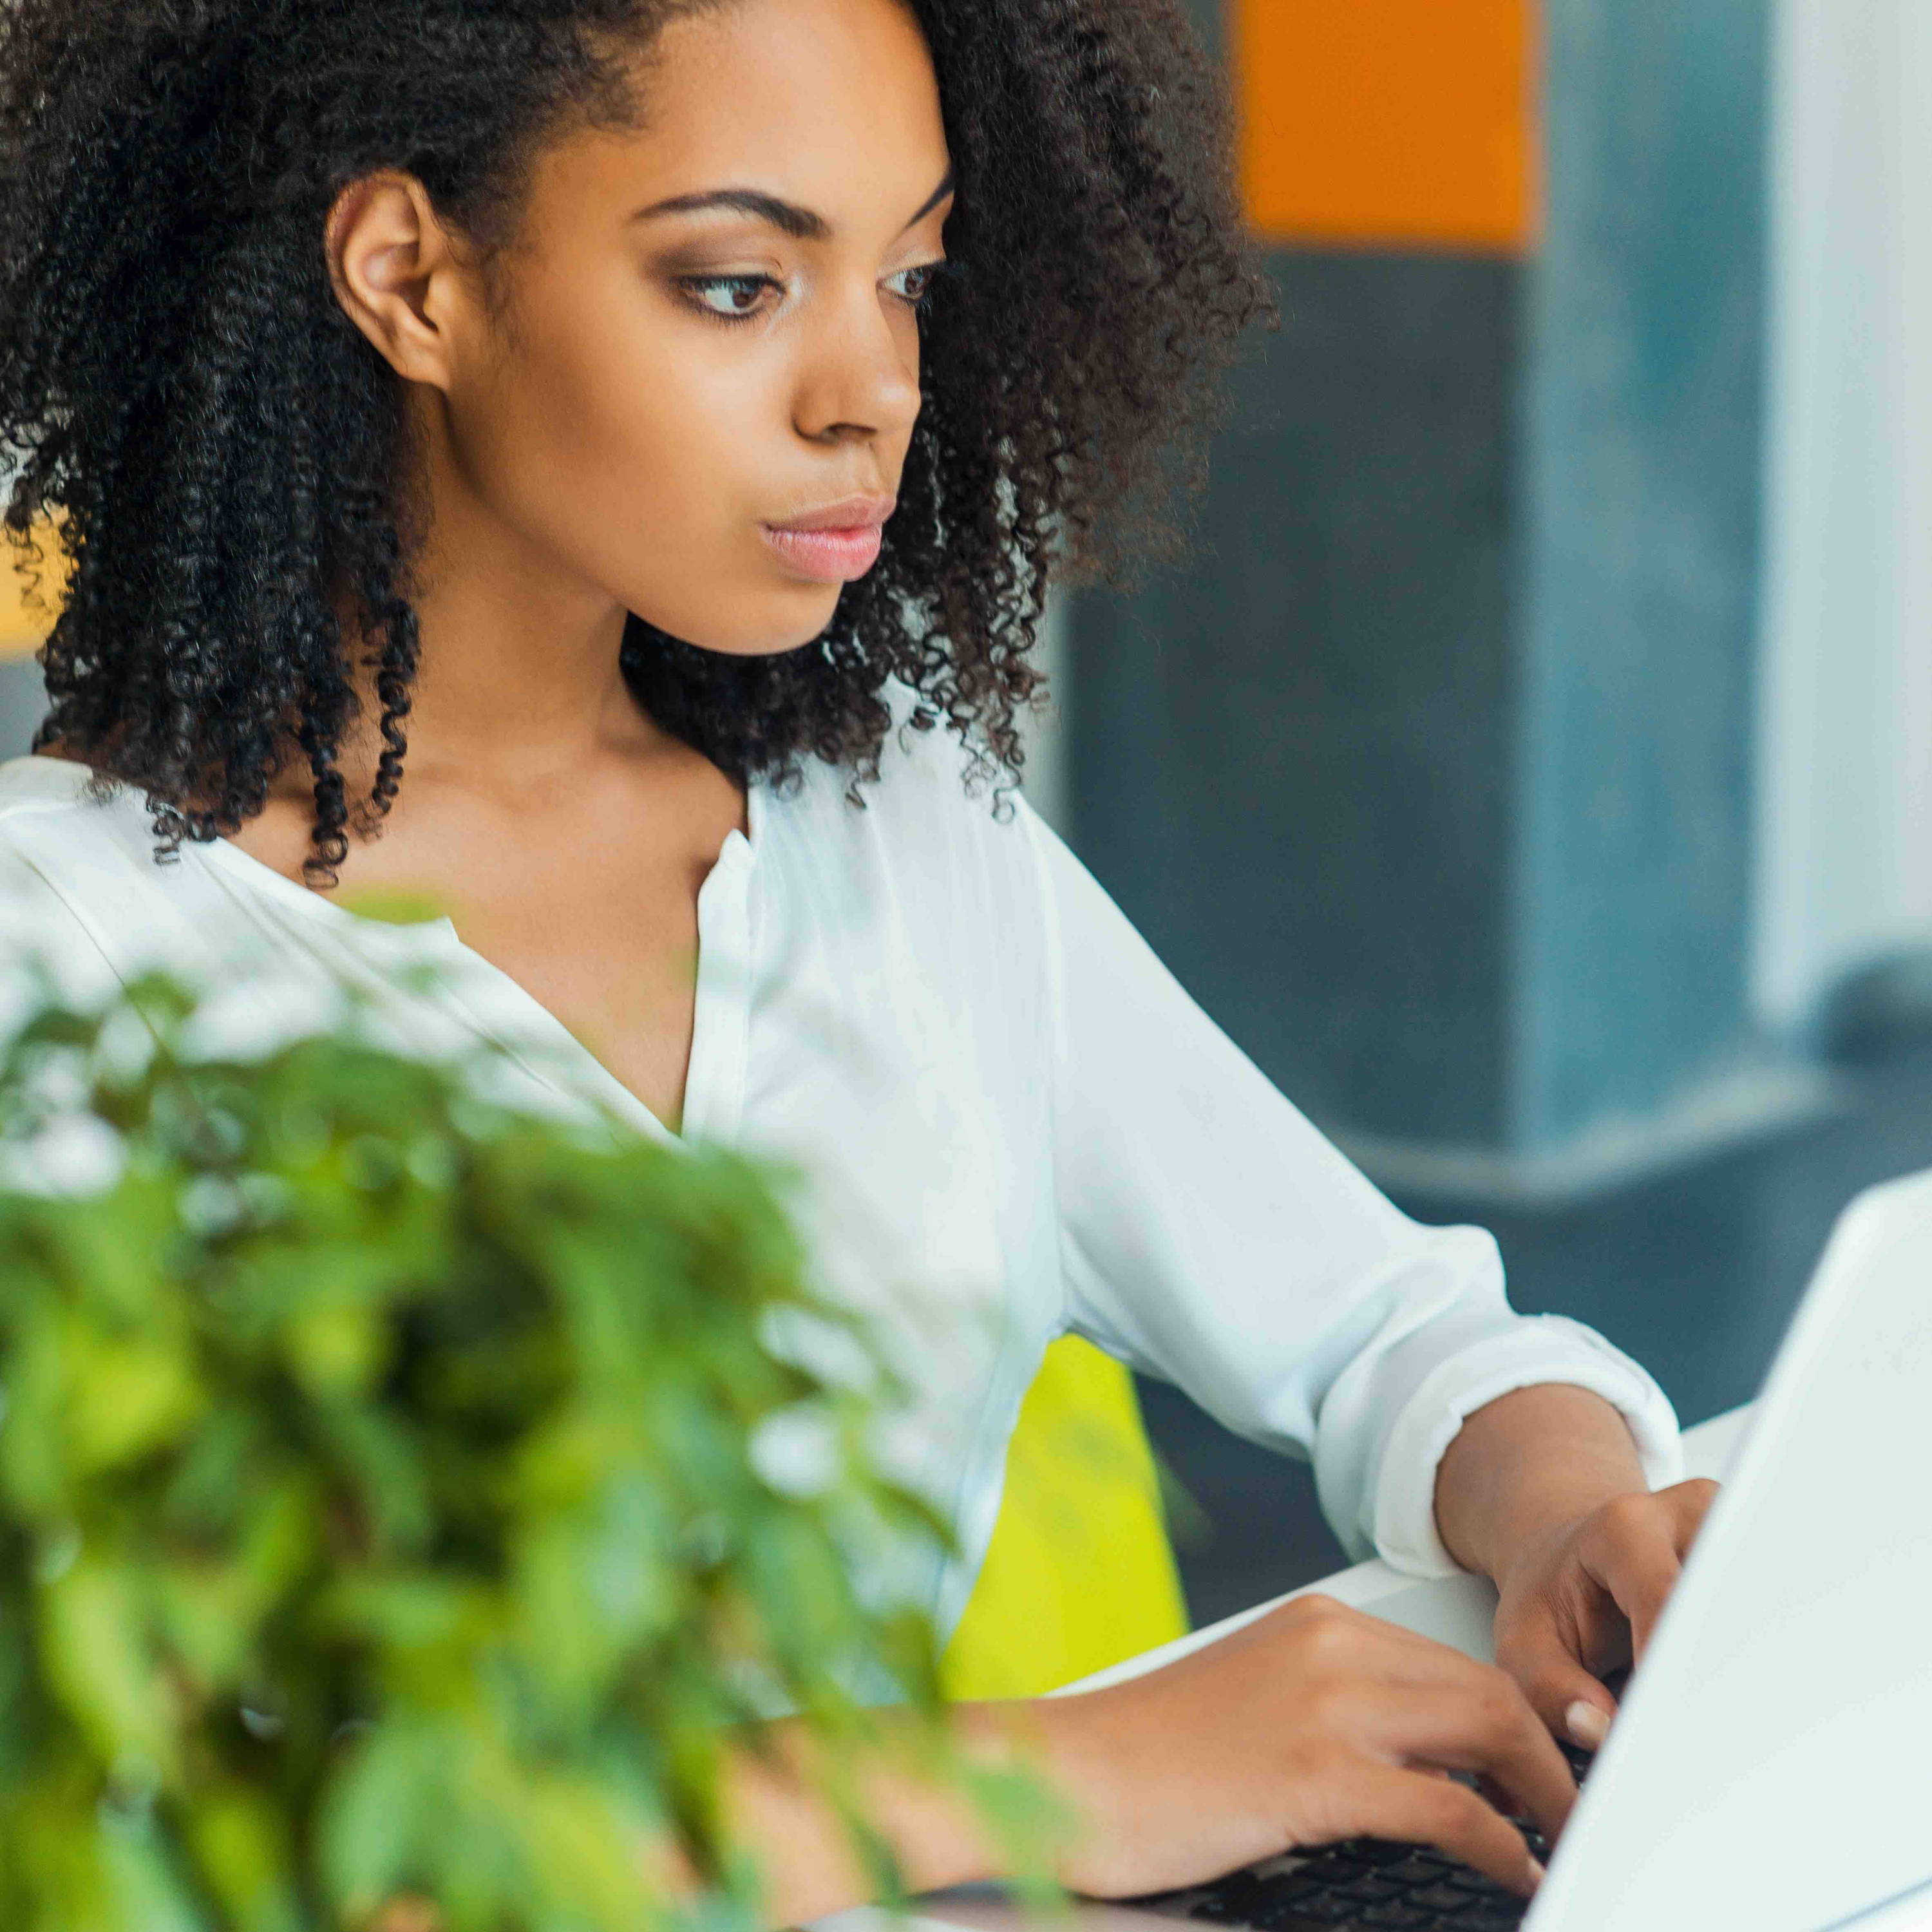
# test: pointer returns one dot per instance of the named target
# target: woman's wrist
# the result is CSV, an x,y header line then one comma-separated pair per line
x,y
1524,1466
938,1835
1082,1748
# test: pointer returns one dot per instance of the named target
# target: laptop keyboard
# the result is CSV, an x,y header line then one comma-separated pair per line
x,y
1361,1884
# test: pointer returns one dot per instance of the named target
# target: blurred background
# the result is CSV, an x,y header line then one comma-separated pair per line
x,y
1532,768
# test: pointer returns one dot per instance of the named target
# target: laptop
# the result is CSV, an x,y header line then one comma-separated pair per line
x,y
1770,1767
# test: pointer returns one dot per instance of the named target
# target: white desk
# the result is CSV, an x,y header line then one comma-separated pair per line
x,y
1456,1610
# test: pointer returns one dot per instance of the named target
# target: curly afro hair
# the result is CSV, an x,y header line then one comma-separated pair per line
x,y
218,449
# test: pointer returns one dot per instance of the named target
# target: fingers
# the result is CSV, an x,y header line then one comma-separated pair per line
x,y
1633,1548
1486,1724
1416,1701
1689,1503
1609,1588
1569,1700
1425,1810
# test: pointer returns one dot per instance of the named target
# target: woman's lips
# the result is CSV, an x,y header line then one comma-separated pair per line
x,y
826,556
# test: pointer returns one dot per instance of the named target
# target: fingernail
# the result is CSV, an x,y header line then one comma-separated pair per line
x,y
1537,1874
1587,1724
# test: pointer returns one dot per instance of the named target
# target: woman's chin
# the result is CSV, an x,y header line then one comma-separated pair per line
x,y
770,633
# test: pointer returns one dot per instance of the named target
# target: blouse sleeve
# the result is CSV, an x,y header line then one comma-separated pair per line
x,y
1210,1237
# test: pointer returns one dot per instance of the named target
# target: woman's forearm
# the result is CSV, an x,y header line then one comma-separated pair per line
x,y
806,1856
802,1849
1522,1464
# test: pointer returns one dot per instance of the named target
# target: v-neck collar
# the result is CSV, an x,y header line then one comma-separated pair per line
x,y
715,1079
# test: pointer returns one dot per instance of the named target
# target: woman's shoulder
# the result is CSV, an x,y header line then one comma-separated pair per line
x,y
53,809
940,815
79,889
931,863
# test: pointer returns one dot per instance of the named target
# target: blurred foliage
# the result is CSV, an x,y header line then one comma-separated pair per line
x,y
402,1494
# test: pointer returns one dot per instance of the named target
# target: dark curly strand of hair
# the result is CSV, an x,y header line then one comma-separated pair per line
x,y
218,447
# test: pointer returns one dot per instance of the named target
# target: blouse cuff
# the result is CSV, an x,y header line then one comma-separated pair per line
x,y
1539,1349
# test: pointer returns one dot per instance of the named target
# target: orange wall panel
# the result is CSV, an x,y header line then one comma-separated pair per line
x,y
1388,124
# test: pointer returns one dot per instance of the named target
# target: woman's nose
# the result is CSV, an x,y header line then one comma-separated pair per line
x,y
862,379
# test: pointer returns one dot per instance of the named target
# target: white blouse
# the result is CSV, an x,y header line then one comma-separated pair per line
x,y
1008,1119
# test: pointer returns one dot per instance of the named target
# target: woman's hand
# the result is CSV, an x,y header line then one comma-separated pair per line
x,y
1311,1723
1543,1492
1583,1598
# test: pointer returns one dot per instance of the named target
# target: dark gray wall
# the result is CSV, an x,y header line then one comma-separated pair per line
x,y
1430,774
22,705
1290,761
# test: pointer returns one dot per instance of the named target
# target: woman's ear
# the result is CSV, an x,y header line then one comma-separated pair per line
x,y
396,273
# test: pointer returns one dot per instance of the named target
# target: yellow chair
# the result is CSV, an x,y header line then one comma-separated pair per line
x,y
24,628
1080,1572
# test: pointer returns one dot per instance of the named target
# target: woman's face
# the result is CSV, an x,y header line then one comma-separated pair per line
x,y
709,327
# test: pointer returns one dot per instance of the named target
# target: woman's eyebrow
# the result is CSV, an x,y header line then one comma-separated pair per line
x,y
800,223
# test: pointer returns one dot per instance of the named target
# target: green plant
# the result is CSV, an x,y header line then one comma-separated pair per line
x,y
400,1492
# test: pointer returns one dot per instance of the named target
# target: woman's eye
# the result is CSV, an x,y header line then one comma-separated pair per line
x,y
741,298
924,278
730,298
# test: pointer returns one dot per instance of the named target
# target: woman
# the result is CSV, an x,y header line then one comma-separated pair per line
x,y
551,435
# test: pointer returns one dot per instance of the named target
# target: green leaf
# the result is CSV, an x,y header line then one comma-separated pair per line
x,y
379,1806
131,1397
93,1624
240,1847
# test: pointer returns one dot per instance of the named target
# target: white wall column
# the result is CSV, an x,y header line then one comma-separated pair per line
x,y
1845,767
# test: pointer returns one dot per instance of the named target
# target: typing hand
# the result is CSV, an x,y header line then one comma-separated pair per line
x,y
1312,1723
1584,1596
